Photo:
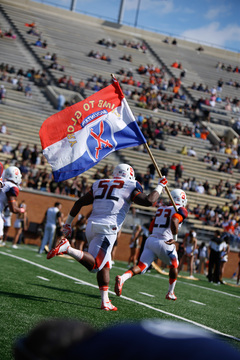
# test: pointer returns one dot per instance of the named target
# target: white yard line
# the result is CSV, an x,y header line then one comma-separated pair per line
x,y
123,297
197,302
143,293
43,278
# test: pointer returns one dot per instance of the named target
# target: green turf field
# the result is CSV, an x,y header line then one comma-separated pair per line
x,y
34,288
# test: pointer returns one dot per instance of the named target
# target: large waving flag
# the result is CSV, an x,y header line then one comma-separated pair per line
x,y
76,138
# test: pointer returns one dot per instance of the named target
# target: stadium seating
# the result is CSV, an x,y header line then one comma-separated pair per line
x,y
72,37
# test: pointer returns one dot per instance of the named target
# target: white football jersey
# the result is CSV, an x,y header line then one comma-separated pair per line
x,y
161,228
112,200
11,189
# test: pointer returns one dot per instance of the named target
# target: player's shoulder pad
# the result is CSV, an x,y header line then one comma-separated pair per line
x,y
13,191
139,186
182,211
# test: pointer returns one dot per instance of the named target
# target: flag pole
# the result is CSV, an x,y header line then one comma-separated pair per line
x,y
160,175
155,164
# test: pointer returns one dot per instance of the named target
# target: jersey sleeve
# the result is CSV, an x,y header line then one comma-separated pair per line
x,y
13,191
181,215
137,190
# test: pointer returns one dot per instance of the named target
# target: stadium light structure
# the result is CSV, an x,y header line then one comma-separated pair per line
x,y
73,4
137,12
121,11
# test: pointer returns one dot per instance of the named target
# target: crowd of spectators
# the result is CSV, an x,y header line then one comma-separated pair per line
x,y
134,45
97,55
7,33
10,74
229,68
108,43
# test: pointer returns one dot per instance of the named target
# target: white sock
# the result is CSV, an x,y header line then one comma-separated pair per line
x,y
104,294
172,284
127,275
75,253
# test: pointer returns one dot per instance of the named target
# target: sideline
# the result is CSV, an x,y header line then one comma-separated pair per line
x,y
123,297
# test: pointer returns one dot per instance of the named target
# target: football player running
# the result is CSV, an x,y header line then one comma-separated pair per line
x,y
111,199
161,243
9,191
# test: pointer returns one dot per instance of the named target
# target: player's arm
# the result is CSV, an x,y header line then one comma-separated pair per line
x,y
85,200
140,198
12,201
176,219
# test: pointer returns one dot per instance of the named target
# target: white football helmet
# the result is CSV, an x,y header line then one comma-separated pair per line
x,y
13,174
124,171
179,197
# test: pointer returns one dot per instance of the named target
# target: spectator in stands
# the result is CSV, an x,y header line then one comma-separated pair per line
x,y
17,152
179,171
38,42
192,152
3,93
28,91
4,130
7,148
200,188
164,170
192,184
207,158
26,153
61,102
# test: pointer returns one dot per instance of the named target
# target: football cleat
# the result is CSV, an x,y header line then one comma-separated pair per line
x,y
118,286
171,296
60,249
108,306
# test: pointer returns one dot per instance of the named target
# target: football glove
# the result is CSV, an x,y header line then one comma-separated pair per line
x,y
67,230
163,181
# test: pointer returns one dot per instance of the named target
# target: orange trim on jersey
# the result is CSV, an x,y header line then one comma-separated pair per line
x,y
136,195
178,216
107,265
11,201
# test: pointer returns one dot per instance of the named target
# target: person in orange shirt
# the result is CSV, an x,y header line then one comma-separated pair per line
x,y
130,81
204,134
143,98
175,65
176,89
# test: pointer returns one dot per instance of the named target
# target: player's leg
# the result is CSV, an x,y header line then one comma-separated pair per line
x,y
103,278
145,261
168,255
64,247
1,230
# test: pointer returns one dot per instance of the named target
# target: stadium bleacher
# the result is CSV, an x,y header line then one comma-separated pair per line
x,y
72,37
